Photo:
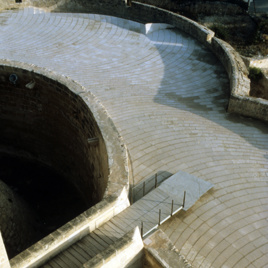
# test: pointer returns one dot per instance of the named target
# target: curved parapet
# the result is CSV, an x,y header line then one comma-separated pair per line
x,y
89,143
240,102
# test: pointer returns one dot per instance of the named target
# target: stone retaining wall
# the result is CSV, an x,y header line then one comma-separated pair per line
x,y
44,121
18,221
261,63
113,163
4,262
231,60
249,106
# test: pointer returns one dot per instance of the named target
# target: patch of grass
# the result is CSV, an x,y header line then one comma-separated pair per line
x,y
255,74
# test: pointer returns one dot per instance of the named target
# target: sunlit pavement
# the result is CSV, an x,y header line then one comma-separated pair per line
x,y
167,96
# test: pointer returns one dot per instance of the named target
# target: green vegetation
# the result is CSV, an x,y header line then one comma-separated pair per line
x,y
255,74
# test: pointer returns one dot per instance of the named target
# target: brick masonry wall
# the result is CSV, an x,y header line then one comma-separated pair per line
x,y
52,125
107,160
17,221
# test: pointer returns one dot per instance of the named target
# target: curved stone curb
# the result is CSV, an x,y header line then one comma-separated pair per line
x,y
240,102
115,198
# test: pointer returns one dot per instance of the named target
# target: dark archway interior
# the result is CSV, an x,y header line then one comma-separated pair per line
x,y
47,157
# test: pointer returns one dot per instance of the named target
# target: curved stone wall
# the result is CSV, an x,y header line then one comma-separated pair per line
x,y
17,221
240,102
52,119
44,121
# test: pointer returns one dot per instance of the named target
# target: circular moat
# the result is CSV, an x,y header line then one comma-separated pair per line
x,y
53,159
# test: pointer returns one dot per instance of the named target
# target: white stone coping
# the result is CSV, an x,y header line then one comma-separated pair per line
x,y
4,261
161,252
232,61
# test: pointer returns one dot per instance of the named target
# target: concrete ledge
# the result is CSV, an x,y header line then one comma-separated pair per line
x,y
240,102
115,197
125,252
261,63
4,262
231,60
249,106
160,252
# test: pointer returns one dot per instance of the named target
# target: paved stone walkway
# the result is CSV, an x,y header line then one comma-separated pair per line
x,y
167,95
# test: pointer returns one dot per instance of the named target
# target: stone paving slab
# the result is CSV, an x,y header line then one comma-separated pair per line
x,y
183,181
167,96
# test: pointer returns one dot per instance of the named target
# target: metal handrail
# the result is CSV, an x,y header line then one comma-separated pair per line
x,y
165,219
143,184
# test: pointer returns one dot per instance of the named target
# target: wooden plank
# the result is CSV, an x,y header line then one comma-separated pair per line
x,y
46,266
125,222
119,225
92,242
89,248
105,234
145,206
148,216
76,254
62,261
54,264
112,229
81,251
71,259
155,195
99,239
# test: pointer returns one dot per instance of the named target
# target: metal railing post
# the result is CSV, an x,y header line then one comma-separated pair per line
x,y
184,196
172,208
159,220
132,193
143,188
155,181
